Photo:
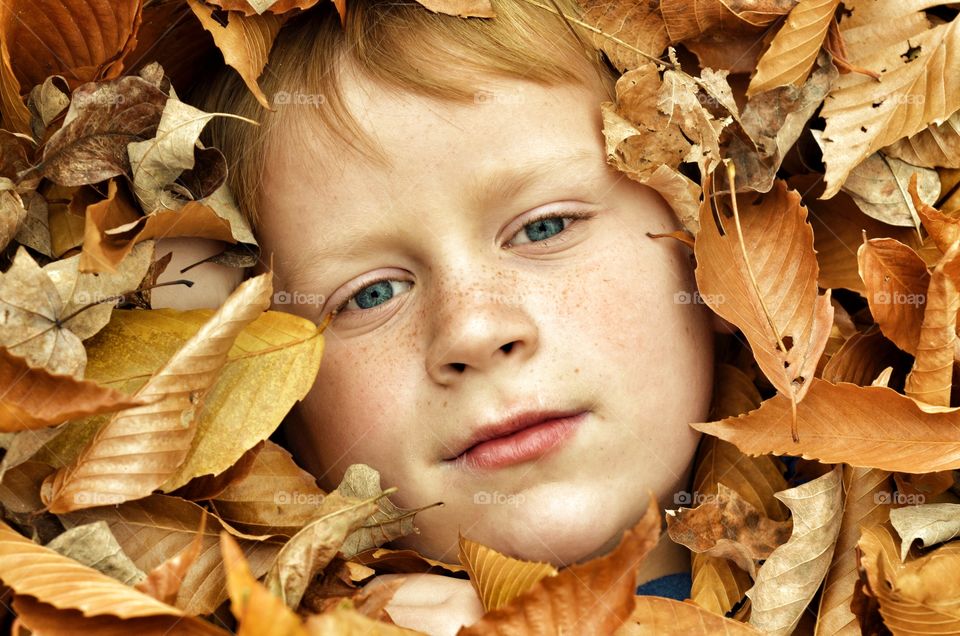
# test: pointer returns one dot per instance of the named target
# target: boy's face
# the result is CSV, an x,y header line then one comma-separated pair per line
x,y
485,314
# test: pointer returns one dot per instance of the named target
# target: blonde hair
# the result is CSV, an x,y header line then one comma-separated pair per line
x,y
401,45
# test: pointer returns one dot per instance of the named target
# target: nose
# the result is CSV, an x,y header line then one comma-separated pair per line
x,y
477,332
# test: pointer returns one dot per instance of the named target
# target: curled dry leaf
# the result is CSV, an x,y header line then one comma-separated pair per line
x,y
163,582
35,398
244,41
865,492
313,547
142,447
870,427
595,597
740,276
727,526
878,185
94,545
386,523
944,228
938,146
102,119
790,577
48,311
931,523
919,597
497,578
931,378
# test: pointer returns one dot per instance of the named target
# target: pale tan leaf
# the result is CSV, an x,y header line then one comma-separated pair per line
x,y
462,8
343,620
312,549
95,546
937,146
863,505
629,33
944,228
878,185
931,523
787,581
864,115
795,47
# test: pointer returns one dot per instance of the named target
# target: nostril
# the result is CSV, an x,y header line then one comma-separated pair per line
x,y
459,366
507,347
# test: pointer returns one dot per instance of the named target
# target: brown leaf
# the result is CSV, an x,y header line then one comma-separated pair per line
x,y
918,597
210,486
878,185
46,620
91,40
686,19
157,528
36,398
164,581
405,561
141,447
739,275
862,358
630,33
345,621
725,525
102,119
95,546
870,427
595,597
25,567
793,50
497,578
245,42
259,612
896,281
944,228
931,377
275,497
864,115
655,616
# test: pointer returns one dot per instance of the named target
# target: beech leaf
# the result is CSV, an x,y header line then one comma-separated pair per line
x,y
931,523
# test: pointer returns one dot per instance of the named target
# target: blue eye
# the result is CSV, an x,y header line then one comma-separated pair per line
x,y
547,226
373,295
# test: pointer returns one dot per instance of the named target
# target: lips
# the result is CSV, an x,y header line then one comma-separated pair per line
x,y
511,425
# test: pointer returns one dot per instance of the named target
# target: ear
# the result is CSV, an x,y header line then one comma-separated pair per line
x,y
720,324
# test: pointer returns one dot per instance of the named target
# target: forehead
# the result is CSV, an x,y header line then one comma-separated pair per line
x,y
429,152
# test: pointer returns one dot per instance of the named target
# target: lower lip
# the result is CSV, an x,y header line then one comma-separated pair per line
x,y
529,443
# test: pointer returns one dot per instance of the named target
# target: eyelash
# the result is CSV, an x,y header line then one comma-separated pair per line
x,y
576,216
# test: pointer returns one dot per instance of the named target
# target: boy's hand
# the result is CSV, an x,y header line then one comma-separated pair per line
x,y
432,603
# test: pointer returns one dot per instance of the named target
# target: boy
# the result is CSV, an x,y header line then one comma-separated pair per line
x,y
507,338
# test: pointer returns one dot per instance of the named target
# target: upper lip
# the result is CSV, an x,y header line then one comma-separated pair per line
x,y
511,424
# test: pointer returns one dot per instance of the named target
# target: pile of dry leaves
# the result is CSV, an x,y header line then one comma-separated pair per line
x,y
139,486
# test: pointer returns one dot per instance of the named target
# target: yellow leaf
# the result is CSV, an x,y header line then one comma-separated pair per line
x,y
498,578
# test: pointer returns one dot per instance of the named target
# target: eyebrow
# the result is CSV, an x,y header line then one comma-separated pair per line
x,y
484,190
